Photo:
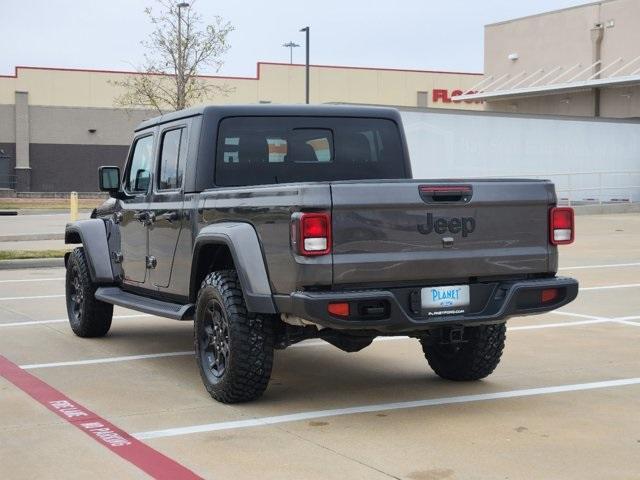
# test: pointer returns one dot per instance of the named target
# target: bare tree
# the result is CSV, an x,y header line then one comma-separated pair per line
x,y
177,49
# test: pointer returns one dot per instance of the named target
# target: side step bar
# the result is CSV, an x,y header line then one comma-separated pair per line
x,y
117,296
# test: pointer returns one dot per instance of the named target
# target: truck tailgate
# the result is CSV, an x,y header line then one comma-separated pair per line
x,y
410,231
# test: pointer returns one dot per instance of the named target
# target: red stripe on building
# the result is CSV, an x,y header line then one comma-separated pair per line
x,y
118,441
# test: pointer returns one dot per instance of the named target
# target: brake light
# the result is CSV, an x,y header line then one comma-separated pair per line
x,y
429,189
313,233
561,225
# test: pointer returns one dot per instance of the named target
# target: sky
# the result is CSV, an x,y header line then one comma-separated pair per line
x,y
413,34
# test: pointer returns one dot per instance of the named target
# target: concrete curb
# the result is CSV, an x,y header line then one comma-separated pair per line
x,y
31,263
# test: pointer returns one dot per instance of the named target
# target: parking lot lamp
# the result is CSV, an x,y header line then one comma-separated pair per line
x,y
291,46
306,30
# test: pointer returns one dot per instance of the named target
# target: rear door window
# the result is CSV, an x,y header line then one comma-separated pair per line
x,y
172,159
267,150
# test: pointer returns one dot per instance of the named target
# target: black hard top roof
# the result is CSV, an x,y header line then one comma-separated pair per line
x,y
274,110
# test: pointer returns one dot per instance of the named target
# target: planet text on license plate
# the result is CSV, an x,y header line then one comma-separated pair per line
x,y
445,297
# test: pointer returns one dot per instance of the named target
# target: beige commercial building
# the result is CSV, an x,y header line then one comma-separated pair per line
x,y
58,125
582,61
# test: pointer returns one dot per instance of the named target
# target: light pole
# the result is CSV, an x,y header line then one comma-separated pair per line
x,y
180,105
306,30
291,46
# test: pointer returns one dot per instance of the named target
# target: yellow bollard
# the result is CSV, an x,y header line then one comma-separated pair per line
x,y
73,206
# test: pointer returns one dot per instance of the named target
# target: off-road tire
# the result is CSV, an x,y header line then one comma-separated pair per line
x,y
473,359
88,317
244,374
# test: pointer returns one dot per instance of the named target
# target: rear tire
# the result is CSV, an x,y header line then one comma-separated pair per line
x,y
475,358
88,317
234,348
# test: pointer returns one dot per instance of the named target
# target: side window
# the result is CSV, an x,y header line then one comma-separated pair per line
x,y
139,172
172,158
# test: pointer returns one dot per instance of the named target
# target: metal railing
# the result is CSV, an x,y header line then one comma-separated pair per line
x,y
584,188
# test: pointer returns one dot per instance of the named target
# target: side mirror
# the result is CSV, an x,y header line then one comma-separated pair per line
x,y
109,179
142,180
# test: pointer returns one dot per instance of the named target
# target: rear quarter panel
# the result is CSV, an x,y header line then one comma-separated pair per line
x,y
269,210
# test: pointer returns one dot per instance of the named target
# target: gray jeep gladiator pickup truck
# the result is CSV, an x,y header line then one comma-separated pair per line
x,y
269,225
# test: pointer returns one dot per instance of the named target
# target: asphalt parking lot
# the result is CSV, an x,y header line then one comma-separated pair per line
x,y
564,402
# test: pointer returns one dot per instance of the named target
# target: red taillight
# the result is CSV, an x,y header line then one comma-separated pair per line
x,y
429,189
313,233
549,295
338,309
561,225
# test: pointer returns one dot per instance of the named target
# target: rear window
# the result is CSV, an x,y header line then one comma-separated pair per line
x,y
266,150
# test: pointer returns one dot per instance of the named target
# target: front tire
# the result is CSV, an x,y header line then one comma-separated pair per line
x,y
88,317
474,358
234,348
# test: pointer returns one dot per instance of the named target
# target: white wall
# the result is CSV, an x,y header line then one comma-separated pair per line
x,y
574,153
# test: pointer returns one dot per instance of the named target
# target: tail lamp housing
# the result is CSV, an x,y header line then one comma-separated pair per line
x,y
561,226
311,233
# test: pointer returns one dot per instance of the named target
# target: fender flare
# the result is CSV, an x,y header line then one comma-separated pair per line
x,y
92,234
242,241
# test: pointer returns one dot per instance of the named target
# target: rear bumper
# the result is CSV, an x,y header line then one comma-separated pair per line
x,y
494,302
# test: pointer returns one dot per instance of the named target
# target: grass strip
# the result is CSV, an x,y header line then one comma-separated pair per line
x,y
27,254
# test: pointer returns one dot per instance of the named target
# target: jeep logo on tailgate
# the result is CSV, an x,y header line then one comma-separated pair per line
x,y
441,225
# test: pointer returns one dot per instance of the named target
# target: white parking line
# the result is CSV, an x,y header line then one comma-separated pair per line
x,y
623,320
104,360
610,287
578,315
47,279
35,297
61,320
309,343
610,265
561,324
382,407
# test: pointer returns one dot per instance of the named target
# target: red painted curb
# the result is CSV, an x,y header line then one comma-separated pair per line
x,y
108,435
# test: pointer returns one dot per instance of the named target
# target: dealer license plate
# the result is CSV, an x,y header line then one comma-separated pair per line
x,y
445,297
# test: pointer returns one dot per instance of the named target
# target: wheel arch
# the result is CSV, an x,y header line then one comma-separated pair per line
x,y
92,234
233,245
